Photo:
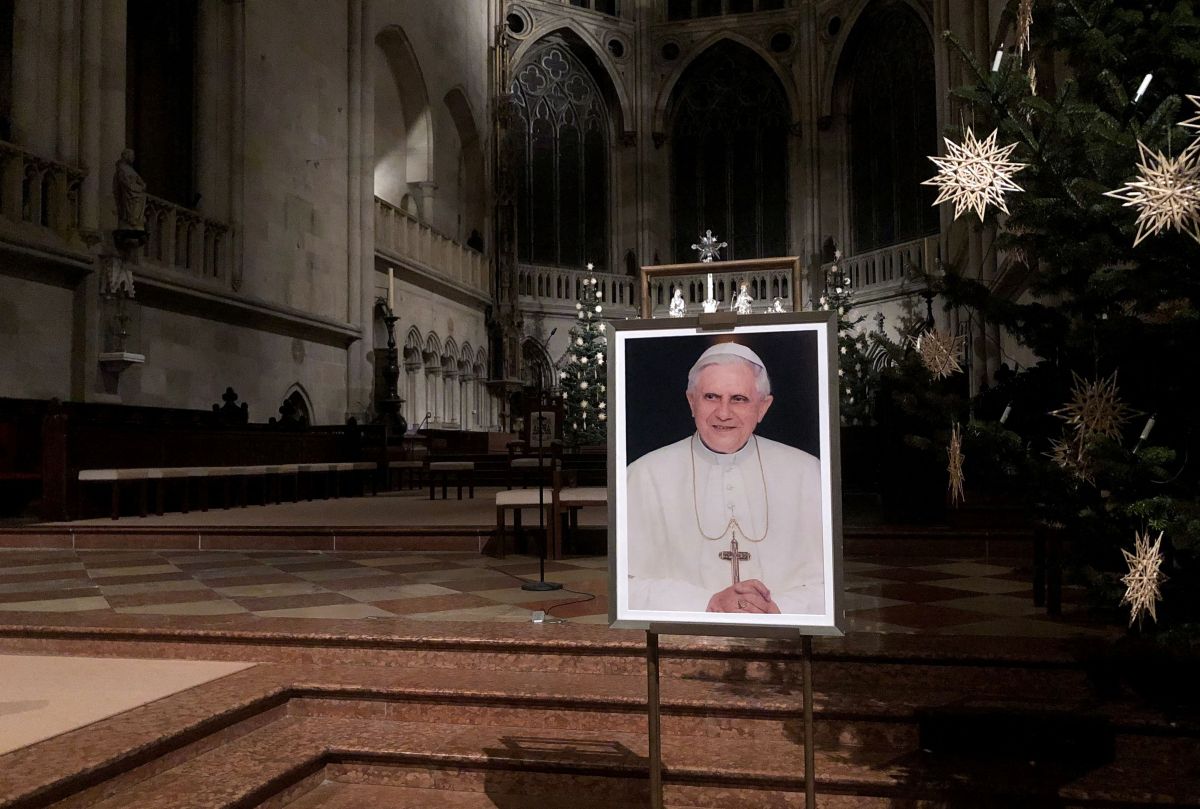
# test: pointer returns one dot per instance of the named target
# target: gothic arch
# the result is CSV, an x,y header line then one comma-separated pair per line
x,y
834,66
593,54
534,356
412,345
662,106
297,394
470,163
433,349
450,352
415,114
884,104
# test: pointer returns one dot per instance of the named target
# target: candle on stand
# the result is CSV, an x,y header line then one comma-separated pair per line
x,y
391,290
710,288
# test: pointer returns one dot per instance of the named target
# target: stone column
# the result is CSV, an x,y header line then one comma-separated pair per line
x,y
67,146
357,388
237,143
426,190
365,146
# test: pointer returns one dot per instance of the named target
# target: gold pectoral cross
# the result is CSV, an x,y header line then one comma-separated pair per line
x,y
733,556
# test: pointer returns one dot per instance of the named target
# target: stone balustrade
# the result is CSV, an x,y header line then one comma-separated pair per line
x,y
764,286
560,285
179,238
401,238
879,270
38,191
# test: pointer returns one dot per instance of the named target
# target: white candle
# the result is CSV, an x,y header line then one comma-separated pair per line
x,y
391,290
1146,430
996,61
1007,411
1142,87
710,288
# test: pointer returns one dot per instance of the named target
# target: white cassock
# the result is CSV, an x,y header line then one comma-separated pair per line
x,y
672,566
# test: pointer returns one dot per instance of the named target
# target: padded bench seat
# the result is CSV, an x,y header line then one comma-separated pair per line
x,y
515,501
460,471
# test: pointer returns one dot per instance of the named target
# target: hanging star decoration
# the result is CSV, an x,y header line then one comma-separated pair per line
x,y
1166,193
709,247
974,174
940,352
1024,24
1194,121
1095,409
1144,578
955,466
1070,454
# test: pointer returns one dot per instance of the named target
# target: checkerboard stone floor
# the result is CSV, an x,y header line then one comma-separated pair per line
x,y
902,595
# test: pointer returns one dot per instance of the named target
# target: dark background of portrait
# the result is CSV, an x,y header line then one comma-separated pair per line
x,y
656,370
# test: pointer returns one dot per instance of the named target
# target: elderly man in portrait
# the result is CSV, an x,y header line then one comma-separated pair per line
x,y
725,520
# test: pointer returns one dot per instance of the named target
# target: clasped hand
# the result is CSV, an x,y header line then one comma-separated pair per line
x,y
745,596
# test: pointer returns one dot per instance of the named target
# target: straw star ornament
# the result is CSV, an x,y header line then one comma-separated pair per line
x,y
1024,24
1070,454
1095,409
940,352
955,457
1144,578
975,174
1194,121
1166,194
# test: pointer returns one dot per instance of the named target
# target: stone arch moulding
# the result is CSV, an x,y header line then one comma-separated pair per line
x,y
461,113
663,103
599,54
849,26
414,99
298,389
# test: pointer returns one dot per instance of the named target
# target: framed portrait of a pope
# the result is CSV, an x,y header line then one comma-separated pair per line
x,y
725,514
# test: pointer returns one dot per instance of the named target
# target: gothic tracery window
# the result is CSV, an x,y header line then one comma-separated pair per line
x,y
729,155
561,160
893,127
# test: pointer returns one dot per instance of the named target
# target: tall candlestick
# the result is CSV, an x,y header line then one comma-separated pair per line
x,y
391,290
710,288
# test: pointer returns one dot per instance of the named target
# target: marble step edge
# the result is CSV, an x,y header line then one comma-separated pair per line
x,y
576,639
266,761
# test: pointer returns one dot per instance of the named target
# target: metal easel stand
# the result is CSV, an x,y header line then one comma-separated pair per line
x,y
654,712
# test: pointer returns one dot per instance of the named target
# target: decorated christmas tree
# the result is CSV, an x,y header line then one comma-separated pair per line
x,y
584,373
1099,280
854,371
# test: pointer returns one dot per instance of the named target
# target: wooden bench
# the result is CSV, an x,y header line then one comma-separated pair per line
x,y
460,471
566,502
226,475
515,501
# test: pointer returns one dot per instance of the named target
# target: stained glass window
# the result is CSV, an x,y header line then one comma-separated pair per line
x,y
729,163
562,160
893,127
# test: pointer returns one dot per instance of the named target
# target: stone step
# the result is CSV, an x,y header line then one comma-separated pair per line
x,y
699,772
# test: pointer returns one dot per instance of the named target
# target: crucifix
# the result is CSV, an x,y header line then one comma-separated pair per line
x,y
733,556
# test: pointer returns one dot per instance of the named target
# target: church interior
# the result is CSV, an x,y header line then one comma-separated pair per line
x,y
304,392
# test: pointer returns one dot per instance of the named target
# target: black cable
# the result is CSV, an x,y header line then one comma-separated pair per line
x,y
586,596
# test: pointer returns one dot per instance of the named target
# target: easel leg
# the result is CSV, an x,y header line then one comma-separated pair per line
x,y
652,700
810,775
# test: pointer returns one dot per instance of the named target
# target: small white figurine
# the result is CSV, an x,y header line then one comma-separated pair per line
x,y
777,305
743,304
678,306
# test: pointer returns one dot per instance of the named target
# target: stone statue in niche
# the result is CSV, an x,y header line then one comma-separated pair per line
x,y
129,189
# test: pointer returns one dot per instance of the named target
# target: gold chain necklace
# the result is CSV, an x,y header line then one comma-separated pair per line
x,y
733,521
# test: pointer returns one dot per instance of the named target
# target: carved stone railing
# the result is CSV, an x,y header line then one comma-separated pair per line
x,y
551,286
764,286
878,271
39,191
400,237
181,239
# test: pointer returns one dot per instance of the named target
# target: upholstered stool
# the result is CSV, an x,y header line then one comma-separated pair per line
x,y
461,471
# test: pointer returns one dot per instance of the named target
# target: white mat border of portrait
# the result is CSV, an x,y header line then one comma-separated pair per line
x,y
830,622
